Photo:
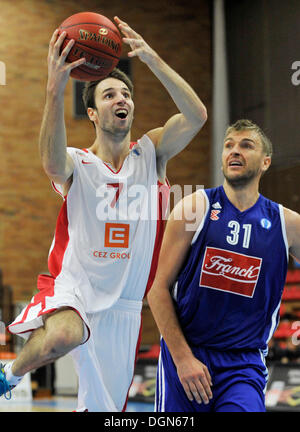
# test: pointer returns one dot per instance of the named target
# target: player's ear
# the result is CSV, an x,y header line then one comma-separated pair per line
x,y
266,163
92,113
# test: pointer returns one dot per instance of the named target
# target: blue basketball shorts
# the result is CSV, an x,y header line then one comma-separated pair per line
x,y
239,382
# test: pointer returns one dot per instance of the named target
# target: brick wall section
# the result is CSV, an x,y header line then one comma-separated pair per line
x,y
181,34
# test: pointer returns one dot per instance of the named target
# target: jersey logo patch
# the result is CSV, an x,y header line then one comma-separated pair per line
x,y
86,162
116,235
214,215
265,223
229,271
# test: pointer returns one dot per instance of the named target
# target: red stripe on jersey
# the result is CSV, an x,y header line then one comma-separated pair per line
x,y
56,190
132,144
112,170
60,242
163,199
46,289
45,283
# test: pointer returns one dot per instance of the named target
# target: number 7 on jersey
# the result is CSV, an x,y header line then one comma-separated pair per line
x,y
118,189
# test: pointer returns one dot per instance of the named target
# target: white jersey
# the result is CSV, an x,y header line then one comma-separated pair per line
x,y
102,261
107,229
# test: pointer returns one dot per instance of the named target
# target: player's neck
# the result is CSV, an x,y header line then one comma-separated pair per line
x,y
111,149
242,198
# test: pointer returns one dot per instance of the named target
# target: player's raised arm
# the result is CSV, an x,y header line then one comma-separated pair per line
x,y
52,142
180,128
193,374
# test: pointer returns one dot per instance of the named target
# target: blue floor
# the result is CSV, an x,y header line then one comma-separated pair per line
x,y
60,404
140,407
69,404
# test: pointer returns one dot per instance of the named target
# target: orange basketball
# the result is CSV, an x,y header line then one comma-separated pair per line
x,y
97,39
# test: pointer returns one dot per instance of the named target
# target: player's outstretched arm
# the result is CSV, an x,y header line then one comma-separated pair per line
x,y
178,131
52,142
193,374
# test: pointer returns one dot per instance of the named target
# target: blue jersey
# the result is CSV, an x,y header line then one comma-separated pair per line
x,y
228,292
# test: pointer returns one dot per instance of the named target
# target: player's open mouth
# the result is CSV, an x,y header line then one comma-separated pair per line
x,y
235,163
121,113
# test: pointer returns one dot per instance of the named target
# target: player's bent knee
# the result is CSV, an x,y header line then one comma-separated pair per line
x,y
60,343
64,332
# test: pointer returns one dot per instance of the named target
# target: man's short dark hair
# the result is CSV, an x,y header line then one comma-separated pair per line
x,y
89,88
245,124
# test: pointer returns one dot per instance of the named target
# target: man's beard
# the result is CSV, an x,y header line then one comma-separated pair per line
x,y
116,131
238,182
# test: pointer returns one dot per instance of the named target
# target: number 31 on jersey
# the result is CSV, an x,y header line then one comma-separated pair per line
x,y
236,232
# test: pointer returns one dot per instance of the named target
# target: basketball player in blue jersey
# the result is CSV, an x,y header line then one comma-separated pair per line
x,y
219,283
90,303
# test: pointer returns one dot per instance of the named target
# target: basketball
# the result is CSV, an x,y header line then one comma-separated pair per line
x,y
97,39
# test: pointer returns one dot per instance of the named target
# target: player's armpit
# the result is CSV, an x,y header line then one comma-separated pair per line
x,y
292,223
63,177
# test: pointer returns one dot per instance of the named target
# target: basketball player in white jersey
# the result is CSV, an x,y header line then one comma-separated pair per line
x,y
100,268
